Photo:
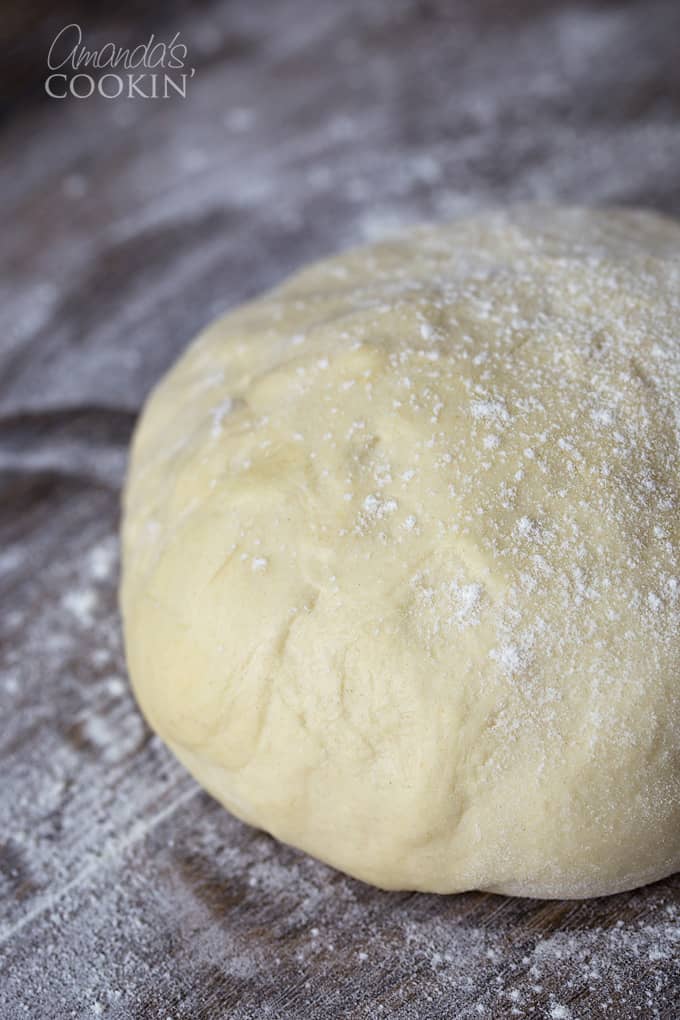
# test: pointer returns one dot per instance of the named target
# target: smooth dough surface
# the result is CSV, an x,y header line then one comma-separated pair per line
x,y
401,556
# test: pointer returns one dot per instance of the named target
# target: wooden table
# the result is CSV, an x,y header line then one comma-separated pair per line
x,y
128,224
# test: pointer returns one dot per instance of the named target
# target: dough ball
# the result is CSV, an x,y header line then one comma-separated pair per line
x,y
401,556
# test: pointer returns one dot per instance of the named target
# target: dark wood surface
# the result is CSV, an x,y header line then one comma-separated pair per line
x,y
126,225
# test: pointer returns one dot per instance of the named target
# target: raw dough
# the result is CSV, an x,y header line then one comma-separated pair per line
x,y
401,556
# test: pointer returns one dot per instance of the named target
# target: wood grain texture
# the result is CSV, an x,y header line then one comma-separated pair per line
x,y
127,225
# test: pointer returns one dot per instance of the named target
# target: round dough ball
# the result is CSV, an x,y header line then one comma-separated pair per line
x,y
401,556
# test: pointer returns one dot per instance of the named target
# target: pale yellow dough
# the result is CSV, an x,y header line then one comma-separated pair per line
x,y
401,556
